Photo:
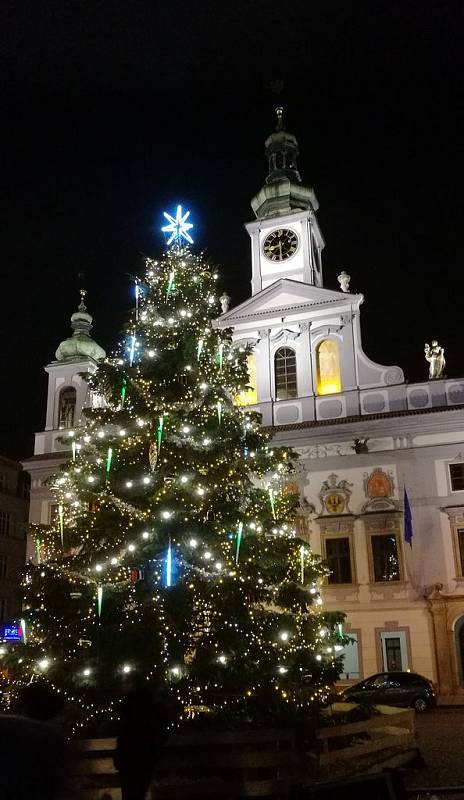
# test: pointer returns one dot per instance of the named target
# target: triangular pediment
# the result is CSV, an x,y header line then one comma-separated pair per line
x,y
287,294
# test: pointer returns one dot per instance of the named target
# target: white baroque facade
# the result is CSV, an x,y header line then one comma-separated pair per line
x,y
363,434
68,394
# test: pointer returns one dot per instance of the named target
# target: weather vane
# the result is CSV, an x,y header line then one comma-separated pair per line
x,y
178,227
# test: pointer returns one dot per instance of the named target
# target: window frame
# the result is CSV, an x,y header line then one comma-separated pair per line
x,y
450,480
63,389
317,370
396,533
6,517
340,535
3,566
285,359
456,528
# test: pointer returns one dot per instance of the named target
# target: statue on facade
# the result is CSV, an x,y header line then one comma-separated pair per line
x,y
225,302
360,445
435,355
344,281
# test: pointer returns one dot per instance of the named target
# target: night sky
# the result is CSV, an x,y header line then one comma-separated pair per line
x,y
113,112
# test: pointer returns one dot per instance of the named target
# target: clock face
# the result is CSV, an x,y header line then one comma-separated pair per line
x,y
280,244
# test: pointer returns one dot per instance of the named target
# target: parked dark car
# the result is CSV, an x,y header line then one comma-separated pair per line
x,y
393,689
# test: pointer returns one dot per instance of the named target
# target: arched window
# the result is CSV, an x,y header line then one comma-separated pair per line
x,y
249,397
285,373
328,367
67,407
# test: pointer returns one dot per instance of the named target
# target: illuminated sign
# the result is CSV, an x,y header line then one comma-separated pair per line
x,y
11,633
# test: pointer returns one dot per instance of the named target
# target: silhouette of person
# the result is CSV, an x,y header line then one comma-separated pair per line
x,y
33,755
142,733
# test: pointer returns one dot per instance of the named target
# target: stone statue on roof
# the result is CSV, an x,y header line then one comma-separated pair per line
x,y
435,355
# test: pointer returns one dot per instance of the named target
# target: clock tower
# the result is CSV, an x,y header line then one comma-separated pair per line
x,y
286,241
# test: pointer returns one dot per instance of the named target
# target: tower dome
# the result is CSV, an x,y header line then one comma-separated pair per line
x,y
283,192
80,345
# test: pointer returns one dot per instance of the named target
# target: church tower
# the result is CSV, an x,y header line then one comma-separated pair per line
x,y
307,364
68,394
286,238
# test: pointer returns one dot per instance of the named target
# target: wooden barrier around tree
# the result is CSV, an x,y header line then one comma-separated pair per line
x,y
243,764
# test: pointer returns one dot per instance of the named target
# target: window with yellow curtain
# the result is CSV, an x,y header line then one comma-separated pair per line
x,y
328,367
248,397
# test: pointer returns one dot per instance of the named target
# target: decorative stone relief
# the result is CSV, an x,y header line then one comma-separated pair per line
x,y
393,375
325,450
335,495
341,525
285,335
379,487
382,522
455,514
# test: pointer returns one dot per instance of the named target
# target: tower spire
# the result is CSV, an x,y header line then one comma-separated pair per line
x,y
280,118
282,152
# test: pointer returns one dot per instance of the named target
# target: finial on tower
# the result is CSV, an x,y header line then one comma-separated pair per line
x,y
280,118
82,306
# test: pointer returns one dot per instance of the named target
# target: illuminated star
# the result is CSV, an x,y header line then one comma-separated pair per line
x,y
178,226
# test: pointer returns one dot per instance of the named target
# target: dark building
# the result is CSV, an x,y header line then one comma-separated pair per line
x,y
14,512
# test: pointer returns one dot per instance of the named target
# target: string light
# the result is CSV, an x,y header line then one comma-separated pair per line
x,y
206,458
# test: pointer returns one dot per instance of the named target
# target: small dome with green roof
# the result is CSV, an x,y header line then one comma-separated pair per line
x,y
80,345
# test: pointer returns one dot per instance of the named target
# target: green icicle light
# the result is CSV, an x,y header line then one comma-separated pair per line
x,y
123,391
302,563
109,459
239,541
99,600
199,348
219,411
159,432
170,284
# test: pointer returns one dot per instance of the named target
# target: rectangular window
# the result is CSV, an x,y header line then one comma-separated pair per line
x,y
3,566
4,523
3,482
456,472
338,558
350,659
3,609
385,557
460,537
394,651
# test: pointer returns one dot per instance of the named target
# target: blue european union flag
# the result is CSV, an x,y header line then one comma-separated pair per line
x,y
407,519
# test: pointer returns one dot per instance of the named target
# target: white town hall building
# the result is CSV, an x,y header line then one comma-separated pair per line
x,y
362,434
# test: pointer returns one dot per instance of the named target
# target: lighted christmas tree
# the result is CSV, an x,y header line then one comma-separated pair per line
x,y
174,556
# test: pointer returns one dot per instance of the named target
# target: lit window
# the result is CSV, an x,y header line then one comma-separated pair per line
x,y
457,477
350,655
248,397
285,373
385,557
67,406
328,367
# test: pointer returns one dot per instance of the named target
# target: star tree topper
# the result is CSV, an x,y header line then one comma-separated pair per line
x,y
178,227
